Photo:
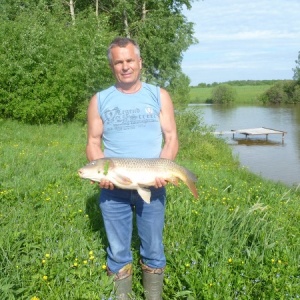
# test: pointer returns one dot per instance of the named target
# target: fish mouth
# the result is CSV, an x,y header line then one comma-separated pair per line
x,y
81,173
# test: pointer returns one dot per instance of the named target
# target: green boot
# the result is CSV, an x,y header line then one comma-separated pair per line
x,y
122,282
123,288
152,282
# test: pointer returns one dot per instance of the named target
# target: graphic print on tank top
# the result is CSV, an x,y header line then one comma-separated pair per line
x,y
127,119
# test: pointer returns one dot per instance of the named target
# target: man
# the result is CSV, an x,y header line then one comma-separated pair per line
x,y
132,119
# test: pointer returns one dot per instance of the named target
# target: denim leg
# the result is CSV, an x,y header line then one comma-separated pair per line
x,y
150,223
117,213
116,207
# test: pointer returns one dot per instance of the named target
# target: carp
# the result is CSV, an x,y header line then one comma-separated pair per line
x,y
138,173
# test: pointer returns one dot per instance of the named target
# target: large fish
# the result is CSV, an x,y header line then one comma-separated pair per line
x,y
138,173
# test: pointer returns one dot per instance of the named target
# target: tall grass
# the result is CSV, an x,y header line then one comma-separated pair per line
x,y
240,240
244,94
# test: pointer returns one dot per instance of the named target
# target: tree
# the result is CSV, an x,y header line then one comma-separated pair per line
x,y
297,69
50,68
51,65
161,30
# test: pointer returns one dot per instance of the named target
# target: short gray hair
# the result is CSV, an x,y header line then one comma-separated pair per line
x,y
122,42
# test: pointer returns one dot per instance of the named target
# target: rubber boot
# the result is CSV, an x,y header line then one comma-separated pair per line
x,y
152,282
123,288
122,282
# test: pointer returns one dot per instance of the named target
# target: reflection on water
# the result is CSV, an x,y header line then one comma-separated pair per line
x,y
272,158
256,142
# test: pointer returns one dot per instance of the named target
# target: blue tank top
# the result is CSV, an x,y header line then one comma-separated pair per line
x,y
131,122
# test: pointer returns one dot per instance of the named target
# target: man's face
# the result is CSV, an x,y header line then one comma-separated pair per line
x,y
126,64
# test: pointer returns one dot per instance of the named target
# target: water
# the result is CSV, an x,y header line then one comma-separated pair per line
x,y
273,158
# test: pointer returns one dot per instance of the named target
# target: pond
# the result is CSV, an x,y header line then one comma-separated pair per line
x,y
272,158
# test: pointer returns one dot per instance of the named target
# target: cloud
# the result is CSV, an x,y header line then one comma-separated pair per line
x,y
242,38
249,35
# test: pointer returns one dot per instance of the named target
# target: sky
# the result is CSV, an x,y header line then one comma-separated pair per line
x,y
243,40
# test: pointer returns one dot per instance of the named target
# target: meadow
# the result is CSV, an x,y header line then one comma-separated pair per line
x,y
239,240
244,94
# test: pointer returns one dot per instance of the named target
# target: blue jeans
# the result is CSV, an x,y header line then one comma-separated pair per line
x,y
117,207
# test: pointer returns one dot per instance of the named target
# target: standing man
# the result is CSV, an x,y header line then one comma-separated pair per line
x,y
133,119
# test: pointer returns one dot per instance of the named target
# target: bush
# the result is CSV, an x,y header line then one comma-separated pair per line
x,y
223,94
282,92
50,67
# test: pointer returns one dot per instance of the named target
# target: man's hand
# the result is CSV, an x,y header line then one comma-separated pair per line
x,y
160,182
105,184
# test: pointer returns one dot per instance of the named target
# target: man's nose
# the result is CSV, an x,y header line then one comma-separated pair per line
x,y
125,66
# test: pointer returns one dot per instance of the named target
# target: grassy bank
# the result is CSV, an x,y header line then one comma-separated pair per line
x,y
240,240
245,94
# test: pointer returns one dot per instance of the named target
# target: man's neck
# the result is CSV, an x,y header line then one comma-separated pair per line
x,y
129,88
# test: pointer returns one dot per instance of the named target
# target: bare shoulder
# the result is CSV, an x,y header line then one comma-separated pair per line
x,y
92,112
164,93
165,98
93,104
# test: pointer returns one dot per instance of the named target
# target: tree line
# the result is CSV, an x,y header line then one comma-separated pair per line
x,y
53,52
280,92
239,83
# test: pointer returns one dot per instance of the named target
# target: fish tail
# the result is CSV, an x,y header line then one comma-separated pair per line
x,y
189,179
192,187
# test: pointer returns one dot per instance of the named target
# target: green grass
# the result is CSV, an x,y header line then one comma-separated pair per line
x,y
240,240
245,94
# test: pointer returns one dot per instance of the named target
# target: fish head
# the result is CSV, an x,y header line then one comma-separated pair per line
x,y
96,169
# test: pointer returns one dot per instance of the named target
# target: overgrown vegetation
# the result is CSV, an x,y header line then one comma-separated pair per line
x,y
240,240
53,54
282,93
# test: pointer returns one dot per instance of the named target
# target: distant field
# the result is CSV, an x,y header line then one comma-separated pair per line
x,y
245,94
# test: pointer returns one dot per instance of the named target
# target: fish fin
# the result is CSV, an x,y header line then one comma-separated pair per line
x,y
144,193
123,180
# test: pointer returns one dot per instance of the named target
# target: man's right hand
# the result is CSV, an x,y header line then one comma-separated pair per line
x,y
106,184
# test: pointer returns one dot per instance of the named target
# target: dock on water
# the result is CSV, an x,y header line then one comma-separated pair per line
x,y
254,131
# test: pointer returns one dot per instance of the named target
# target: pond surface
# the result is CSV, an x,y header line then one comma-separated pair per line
x,y
272,158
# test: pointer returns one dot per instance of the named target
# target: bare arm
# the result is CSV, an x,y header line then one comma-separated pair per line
x,y
168,125
95,130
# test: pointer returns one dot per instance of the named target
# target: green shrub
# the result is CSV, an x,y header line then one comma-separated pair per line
x,y
223,93
50,68
281,92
